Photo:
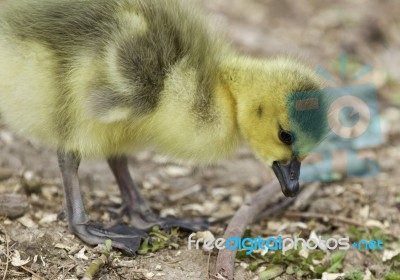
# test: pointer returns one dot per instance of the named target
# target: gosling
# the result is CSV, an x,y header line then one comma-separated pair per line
x,y
104,78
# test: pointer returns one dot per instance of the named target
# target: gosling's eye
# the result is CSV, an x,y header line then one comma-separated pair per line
x,y
286,137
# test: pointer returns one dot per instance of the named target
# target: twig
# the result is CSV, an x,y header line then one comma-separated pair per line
x,y
27,269
246,215
303,198
7,251
185,193
208,264
65,271
97,264
254,210
275,209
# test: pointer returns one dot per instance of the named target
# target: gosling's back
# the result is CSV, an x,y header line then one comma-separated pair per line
x,y
67,63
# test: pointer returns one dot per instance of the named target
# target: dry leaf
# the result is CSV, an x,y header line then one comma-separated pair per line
x,y
27,222
62,246
206,235
368,275
390,254
81,254
49,218
16,259
177,171
150,275
374,223
331,276
131,264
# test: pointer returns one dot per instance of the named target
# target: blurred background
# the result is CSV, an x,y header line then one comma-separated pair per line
x,y
318,32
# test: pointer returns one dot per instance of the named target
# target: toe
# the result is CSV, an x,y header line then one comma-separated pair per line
x,y
127,239
129,245
193,224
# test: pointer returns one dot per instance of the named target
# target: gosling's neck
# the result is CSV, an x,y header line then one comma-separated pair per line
x,y
253,82
238,71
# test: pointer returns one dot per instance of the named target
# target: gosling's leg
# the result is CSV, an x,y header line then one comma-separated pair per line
x,y
123,237
137,209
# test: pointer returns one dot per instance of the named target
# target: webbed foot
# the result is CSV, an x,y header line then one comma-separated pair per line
x,y
125,238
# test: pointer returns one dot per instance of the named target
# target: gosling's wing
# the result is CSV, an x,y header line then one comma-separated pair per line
x,y
140,42
171,35
63,26
45,66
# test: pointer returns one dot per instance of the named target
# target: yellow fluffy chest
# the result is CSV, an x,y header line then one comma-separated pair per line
x,y
179,137
93,139
27,88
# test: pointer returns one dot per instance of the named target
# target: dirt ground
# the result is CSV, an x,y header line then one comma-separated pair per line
x,y
318,31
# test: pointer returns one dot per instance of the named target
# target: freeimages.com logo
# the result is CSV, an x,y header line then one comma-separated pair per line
x,y
337,123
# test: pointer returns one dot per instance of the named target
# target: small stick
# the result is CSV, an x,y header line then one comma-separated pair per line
x,y
254,210
306,194
97,264
275,209
27,269
185,193
7,251
208,264
246,215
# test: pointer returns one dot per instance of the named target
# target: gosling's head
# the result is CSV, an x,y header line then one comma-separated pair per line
x,y
280,113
